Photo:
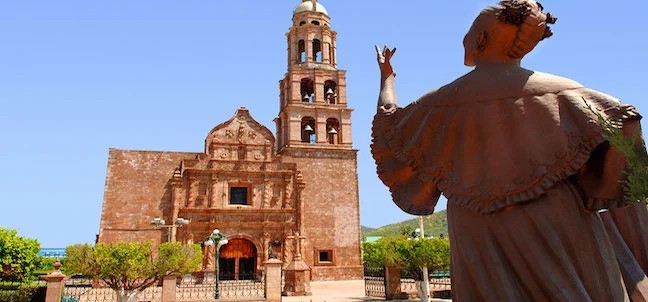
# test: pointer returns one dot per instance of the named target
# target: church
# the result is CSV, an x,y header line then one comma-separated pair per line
x,y
290,195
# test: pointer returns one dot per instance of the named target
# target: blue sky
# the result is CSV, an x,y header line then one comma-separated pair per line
x,y
78,77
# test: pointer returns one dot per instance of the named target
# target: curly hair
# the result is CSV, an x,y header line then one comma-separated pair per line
x,y
514,11
532,23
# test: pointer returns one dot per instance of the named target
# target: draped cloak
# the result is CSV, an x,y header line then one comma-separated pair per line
x,y
524,170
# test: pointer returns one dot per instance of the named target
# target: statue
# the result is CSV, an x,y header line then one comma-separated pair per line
x,y
521,158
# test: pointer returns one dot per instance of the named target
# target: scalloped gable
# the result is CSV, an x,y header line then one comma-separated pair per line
x,y
241,129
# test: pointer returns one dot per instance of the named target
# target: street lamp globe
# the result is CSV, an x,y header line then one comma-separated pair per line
x,y
182,221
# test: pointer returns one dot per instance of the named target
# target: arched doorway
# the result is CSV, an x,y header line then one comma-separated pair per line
x,y
237,260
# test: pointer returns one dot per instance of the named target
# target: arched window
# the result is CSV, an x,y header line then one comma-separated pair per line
x,y
302,23
330,92
307,91
332,131
308,130
317,50
302,51
315,22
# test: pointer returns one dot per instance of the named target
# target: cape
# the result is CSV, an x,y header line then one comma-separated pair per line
x,y
487,152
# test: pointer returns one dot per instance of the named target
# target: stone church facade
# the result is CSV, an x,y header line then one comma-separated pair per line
x,y
290,195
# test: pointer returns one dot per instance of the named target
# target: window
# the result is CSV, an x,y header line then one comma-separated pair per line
x,y
324,257
315,23
238,195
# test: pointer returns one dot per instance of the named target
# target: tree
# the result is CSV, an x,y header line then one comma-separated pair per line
x,y
386,251
410,255
18,256
433,253
407,231
130,268
631,145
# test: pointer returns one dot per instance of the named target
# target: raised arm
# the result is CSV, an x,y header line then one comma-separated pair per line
x,y
387,101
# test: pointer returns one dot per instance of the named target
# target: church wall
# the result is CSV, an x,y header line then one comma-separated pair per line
x,y
136,192
331,211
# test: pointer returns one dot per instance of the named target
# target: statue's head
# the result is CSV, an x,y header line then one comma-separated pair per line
x,y
506,32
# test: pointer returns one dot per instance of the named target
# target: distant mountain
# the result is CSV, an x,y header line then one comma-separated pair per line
x,y
366,229
434,225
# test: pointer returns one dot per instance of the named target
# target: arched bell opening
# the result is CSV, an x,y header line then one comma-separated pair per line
x,y
301,45
332,131
330,92
307,90
308,130
317,50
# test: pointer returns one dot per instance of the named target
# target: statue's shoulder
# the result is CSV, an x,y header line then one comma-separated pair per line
x,y
540,83
477,87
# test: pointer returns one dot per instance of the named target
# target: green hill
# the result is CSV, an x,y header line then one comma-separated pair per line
x,y
365,229
434,225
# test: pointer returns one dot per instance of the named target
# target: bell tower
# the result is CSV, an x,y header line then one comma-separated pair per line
x,y
314,133
313,109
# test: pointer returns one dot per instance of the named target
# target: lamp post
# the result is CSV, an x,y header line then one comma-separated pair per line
x,y
218,239
160,223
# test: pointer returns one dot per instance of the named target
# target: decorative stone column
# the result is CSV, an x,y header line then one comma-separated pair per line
x,y
169,288
54,283
273,280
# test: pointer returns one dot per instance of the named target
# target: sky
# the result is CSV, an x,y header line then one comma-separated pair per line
x,y
78,77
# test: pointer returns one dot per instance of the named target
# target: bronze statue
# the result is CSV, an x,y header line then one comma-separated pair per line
x,y
523,161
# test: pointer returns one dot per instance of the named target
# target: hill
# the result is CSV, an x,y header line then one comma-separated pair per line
x,y
365,229
434,225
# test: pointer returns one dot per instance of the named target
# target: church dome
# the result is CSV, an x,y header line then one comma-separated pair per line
x,y
307,6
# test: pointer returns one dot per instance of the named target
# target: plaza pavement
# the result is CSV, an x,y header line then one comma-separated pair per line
x,y
338,291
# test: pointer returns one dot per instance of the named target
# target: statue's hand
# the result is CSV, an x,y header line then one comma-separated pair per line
x,y
384,61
